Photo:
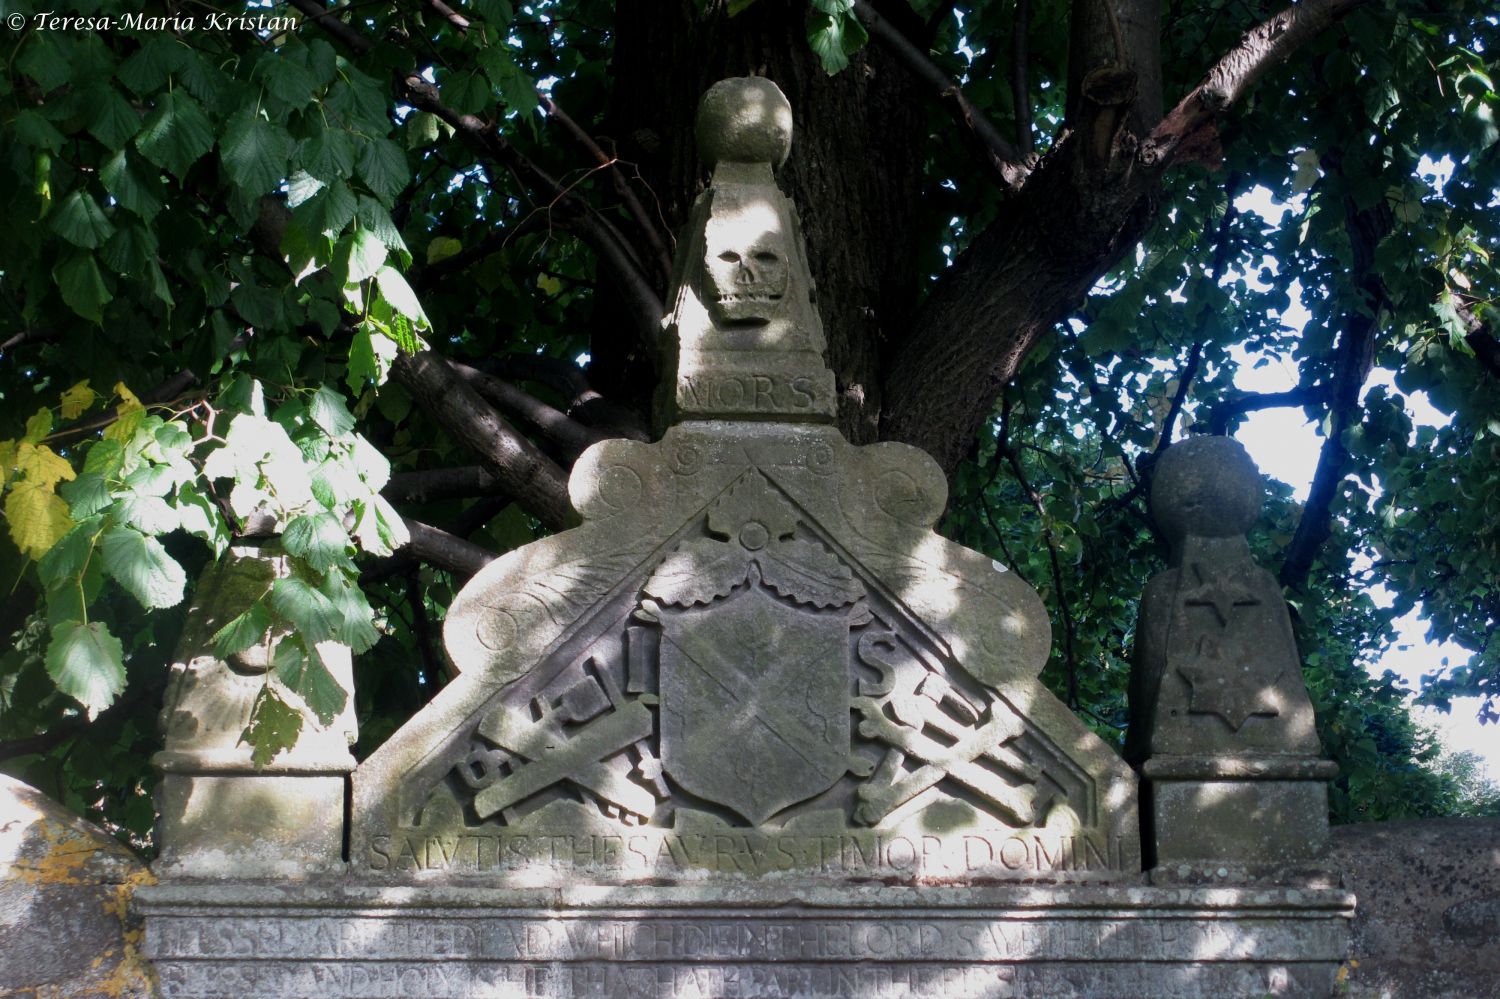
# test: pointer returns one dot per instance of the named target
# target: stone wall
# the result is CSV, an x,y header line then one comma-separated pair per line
x,y
1428,921
66,929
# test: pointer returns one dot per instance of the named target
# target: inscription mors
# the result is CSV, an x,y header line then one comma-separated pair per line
x,y
749,393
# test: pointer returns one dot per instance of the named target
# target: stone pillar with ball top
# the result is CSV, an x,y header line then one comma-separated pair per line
x,y
1221,725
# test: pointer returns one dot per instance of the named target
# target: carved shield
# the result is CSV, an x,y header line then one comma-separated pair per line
x,y
755,700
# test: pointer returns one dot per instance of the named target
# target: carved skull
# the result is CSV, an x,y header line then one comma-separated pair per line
x,y
746,268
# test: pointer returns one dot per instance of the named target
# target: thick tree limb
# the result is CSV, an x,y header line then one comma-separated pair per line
x,y
1251,402
1262,48
447,551
614,251
523,471
567,379
462,481
993,147
1353,358
1480,338
1085,206
352,38
1020,85
573,436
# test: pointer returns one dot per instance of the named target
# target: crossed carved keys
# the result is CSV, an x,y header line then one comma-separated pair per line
x,y
920,701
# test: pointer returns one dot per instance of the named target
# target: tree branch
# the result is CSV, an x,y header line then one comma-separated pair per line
x,y
1260,50
660,254
1353,358
1251,402
1020,86
523,471
442,483
573,436
1480,338
614,252
447,551
993,148
1035,498
1184,381
448,14
352,39
584,403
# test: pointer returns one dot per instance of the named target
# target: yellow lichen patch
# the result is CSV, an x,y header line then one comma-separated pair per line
x,y
62,860
133,975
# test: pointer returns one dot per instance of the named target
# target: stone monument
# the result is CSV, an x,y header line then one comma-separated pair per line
x,y
1220,719
220,813
752,729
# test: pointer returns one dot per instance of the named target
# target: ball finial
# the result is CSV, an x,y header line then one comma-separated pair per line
x,y
746,119
1206,487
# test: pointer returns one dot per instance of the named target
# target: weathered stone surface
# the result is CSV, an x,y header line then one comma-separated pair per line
x,y
220,815
1220,719
793,943
752,729
66,931
755,660
1428,921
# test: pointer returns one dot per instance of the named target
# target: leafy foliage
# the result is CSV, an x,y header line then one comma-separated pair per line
x,y
242,234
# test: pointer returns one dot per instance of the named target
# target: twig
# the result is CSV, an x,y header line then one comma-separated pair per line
x,y
662,256
998,154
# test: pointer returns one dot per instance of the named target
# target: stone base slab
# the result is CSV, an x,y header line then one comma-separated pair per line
x,y
240,941
1266,822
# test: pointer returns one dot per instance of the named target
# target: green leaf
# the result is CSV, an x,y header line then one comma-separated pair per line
x,y
308,610
384,168
176,134
737,7
35,131
423,128
124,180
87,663
147,514
114,121
329,155
443,247
82,285
360,254
86,495
356,619
41,60
81,221
273,729
328,410
329,212
835,37
67,559
287,79
243,631
396,292
318,539
299,666
143,567
255,152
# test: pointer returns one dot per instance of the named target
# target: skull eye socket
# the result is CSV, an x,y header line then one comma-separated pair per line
x,y
729,257
766,257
